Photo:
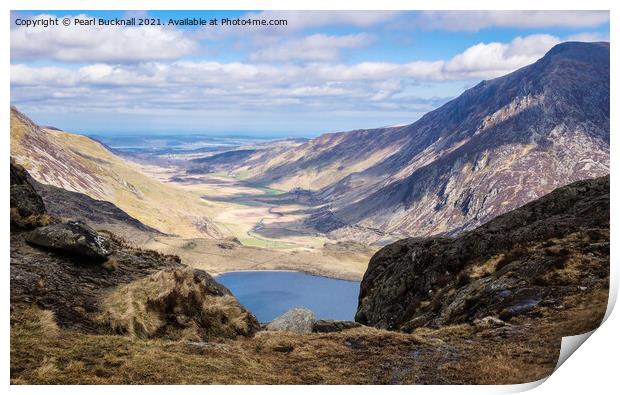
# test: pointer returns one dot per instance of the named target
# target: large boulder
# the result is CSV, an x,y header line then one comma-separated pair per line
x,y
297,320
177,303
73,237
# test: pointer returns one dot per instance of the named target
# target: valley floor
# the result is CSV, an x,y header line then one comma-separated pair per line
x,y
524,351
265,230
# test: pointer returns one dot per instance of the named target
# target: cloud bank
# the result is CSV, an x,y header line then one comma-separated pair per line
x,y
476,20
111,44
207,84
324,61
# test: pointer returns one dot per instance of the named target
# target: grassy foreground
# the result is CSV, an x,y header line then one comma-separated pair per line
x,y
524,351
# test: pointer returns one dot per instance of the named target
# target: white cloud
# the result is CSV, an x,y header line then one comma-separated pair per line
x,y
98,43
495,59
214,86
588,37
476,20
210,86
316,47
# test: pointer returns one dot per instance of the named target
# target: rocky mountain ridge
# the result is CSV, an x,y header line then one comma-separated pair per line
x,y
497,146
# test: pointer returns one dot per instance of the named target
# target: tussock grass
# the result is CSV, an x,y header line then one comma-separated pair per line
x,y
175,303
486,267
111,264
122,243
517,253
503,367
458,354
31,221
37,320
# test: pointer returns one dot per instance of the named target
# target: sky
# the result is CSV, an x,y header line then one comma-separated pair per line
x,y
325,71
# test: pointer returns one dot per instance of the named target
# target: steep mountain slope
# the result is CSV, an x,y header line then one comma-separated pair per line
x,y
322,161
99,214
78,163
541,256
499,145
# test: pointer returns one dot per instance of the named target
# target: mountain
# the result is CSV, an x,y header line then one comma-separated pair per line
x,y
538,258
497,146
322,161
99,214
46,201
79,164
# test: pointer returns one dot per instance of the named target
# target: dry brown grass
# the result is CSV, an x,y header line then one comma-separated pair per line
x,y
31,221
150,253
111,264
522,352
515,254
176,304
503,367
36,319
486,267
356,356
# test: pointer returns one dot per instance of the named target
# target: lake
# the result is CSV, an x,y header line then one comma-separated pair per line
x,y
268,294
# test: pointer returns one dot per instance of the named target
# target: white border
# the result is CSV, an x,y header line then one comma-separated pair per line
x,y
593,368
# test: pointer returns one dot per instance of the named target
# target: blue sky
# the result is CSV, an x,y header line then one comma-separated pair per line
x,y
325,71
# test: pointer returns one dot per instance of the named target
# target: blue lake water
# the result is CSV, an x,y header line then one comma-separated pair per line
x,y
268,294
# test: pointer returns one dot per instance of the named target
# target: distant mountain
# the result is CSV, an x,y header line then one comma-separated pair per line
x,y
322,161
216,162
77,163
497,146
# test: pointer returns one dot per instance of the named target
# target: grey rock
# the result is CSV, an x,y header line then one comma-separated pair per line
x,y
521,307
73,237
24,198
297,320
326,326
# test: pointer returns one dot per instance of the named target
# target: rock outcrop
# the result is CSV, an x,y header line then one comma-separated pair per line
x,y
73,237
98,214
327,326
27,208
96,283
70,286
525,260
298,320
